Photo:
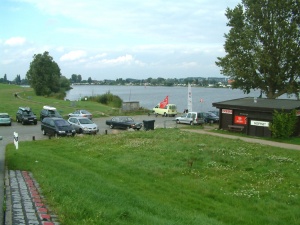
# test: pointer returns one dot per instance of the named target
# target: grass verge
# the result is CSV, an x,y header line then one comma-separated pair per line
x,y
164,176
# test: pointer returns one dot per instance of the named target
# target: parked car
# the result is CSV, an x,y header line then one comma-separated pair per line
x,y
191,118
5,119
49,111
26,116
168,110
123,122
54,126
83,125
217,113
210,117
81,113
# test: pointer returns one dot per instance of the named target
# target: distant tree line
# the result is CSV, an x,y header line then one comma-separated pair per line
x,y
196,81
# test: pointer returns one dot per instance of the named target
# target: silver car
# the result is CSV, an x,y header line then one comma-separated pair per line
x,y
190,118
5,119
83,125
81,113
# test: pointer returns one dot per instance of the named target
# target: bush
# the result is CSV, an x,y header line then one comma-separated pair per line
x,y
284,124
108,99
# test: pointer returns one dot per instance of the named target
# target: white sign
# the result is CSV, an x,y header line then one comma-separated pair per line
x,y
16,140
227,111
259,123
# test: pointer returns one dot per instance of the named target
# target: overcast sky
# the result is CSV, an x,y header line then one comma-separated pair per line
x,y
109,39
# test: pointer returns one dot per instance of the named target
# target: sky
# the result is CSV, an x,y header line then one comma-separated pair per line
x,y
111,39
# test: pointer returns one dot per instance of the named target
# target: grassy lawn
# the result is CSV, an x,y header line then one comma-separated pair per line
x,y
165,176
27,97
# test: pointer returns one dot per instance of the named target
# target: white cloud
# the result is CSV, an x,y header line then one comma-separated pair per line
x,y
73,55
119,60
15,41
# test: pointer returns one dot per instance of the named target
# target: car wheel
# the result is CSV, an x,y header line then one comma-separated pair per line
x,y
35,123
23,122
44,132
9,124
17,120
111,126
177,121
191,123
80,131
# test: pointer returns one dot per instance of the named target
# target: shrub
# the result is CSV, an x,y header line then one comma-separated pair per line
x,y
108,99
284,124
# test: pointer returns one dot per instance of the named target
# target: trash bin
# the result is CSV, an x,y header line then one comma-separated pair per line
x,y
148,124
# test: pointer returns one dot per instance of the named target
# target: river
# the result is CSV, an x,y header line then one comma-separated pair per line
x,y
149,96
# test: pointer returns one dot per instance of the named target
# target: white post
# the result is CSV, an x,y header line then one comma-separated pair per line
x,y
16,140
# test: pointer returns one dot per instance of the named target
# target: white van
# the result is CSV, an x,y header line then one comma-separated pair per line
x,y
168,110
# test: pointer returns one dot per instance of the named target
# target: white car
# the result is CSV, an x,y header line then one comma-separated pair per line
x,y
83,125
168,110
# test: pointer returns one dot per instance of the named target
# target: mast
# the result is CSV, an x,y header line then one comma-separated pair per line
x,y
190,103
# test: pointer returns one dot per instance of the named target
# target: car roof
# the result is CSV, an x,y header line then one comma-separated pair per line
x,y
49,107
25,108
54,118
3,113
79,117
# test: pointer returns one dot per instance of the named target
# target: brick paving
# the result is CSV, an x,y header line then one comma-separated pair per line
x,y
24,203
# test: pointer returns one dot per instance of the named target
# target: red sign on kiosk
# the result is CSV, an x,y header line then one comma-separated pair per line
x,y
240,120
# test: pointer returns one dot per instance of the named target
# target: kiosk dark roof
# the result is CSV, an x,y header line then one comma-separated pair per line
x,y
252,116
259,104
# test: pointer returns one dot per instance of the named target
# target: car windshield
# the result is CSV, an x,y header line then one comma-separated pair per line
x,y
27,113
61,123
4,116
211,115
54,113
84,112
85,121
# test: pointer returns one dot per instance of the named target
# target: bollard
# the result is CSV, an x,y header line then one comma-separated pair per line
x,y
33,138
105,131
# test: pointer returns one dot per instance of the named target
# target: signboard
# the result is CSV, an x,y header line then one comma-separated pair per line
x,y
240,120
227,111
260,123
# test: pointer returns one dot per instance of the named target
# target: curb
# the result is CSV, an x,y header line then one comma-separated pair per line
x,y
24,203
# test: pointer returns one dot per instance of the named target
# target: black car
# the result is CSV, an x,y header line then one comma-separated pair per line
x,y
54,126
26,116
123,122
49,111
210,117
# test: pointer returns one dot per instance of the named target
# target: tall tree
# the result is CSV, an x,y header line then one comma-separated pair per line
x,y
263,47
17,80
44,74
5,78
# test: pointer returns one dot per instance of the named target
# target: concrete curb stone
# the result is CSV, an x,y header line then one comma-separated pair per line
x,y
24,203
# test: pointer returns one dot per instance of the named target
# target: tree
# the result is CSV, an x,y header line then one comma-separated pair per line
x,y
17,80
64,83
90,80
263,47
44,74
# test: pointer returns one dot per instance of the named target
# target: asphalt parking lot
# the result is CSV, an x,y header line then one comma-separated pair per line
x,y
30,131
